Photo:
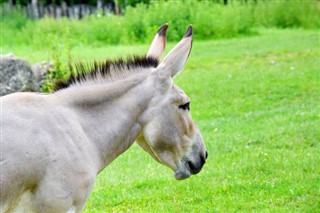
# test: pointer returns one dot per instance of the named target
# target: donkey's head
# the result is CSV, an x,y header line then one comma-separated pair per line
x,y
169,134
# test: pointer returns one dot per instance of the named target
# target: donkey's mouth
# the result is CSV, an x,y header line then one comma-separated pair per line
x,y
189,168
182,174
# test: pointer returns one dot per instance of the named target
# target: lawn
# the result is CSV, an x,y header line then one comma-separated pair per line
x,y
257,102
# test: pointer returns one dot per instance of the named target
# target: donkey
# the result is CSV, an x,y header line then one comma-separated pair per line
x,y
54,145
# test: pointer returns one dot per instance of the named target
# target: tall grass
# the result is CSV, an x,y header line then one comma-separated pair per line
x,y
288,14
210,20
11,24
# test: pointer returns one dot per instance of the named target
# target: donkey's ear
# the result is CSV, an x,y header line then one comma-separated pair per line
x,y
158,44
178,56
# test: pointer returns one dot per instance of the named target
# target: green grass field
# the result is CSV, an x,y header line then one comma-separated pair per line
x,y
257,102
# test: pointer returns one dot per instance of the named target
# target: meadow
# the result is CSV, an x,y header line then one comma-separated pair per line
x,y
256,101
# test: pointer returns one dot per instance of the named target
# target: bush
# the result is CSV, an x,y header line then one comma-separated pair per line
x,y
11,22
288,14
138,24
62,63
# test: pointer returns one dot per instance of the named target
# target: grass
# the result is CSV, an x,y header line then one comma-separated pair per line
x,y
211,20
256,101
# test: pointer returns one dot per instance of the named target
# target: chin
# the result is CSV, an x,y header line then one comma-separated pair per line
x,y
180,175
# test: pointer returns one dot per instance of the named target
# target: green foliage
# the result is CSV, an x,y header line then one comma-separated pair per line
x,y
62,64
15,17
12,22
286,14
138,24
125,3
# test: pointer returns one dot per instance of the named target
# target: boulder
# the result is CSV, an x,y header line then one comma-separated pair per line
x,y
40,71
16,75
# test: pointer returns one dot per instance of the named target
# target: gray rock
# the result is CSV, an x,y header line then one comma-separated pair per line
x,y
40,71
16,75
11,55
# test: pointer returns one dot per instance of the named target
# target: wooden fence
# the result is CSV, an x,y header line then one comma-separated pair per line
x,y
36,11
58,11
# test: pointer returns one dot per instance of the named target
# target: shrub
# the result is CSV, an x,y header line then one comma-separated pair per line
x,y
286,14
62,63
138,24
11,22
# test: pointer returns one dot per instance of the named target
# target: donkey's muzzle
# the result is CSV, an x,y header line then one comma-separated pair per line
x,y
195,167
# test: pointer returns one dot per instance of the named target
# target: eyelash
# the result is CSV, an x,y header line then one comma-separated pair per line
x,y
185,106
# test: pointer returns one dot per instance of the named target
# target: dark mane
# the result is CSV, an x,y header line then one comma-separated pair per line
x,y
114,69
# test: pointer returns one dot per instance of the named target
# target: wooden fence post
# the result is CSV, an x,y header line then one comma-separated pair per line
x,y
116,7
36,10
34,7
99,4
64,9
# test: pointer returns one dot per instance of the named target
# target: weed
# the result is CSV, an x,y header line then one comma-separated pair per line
x,y
62,63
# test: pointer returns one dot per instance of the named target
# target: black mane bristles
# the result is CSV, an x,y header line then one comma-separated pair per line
x,y
82,71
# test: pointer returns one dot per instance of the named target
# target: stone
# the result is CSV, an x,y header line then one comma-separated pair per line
x,y
40,71
16,75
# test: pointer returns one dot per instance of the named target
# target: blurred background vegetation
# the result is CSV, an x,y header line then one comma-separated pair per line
x,y
104,22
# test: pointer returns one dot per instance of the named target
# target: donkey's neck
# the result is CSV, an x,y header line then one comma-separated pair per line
x,y
96,92
111,114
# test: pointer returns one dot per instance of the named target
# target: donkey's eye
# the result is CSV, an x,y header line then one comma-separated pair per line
x,y
185,106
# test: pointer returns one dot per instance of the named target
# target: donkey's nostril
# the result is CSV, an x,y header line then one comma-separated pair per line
x,y
190,164
206,154
194,168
